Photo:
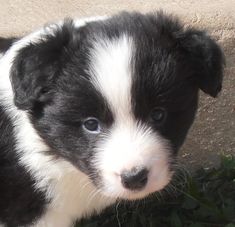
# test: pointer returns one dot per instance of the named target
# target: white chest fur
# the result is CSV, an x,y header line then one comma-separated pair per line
x,y
73,197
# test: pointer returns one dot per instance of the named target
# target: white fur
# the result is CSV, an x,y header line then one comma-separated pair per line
x,y
84,21
72,193
110,68
129,143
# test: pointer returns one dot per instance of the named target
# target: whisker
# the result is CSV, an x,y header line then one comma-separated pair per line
x,y
117,214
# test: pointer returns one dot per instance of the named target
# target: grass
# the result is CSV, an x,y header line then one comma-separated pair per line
x,y
206,199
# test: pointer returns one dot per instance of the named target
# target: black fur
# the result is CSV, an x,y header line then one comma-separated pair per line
x,y
6,43
20,202
50,82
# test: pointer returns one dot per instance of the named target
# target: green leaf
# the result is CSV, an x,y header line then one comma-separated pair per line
x,y
196,225
175,220
230,225
189,204
228,161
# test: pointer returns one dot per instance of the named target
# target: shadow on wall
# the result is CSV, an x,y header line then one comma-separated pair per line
x,y
213,132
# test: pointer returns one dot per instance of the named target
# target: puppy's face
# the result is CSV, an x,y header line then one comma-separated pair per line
x,y
117,97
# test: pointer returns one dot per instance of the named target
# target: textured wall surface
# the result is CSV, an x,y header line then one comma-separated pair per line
x,y
214,130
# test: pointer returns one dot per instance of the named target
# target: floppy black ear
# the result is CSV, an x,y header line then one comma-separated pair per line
x,y
37,66
207,60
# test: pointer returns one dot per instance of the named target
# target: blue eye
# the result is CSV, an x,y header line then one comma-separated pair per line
x,y
92,125
158,115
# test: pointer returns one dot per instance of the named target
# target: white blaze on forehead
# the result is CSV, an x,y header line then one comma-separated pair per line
x,y
111,72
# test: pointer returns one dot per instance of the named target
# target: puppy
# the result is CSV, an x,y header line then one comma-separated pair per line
x,y
95,110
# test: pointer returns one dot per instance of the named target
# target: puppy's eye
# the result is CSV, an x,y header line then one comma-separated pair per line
x,y
92,125
158,115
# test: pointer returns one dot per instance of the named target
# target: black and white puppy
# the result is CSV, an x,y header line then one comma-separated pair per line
x,y
95,110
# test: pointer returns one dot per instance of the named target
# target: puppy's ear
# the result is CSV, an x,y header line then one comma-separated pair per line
x,y
37,66
206,58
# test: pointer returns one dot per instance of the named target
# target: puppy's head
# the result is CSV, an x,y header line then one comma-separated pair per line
x,y
117,97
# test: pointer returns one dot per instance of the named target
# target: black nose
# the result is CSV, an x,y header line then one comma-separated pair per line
x,y
135,179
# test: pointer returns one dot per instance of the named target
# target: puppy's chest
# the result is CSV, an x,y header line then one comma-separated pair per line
x,y
72,197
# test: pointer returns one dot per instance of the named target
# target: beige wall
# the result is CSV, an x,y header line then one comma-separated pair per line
x,y
214,129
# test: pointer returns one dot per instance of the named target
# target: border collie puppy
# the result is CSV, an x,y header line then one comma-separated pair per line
x,y
95,110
